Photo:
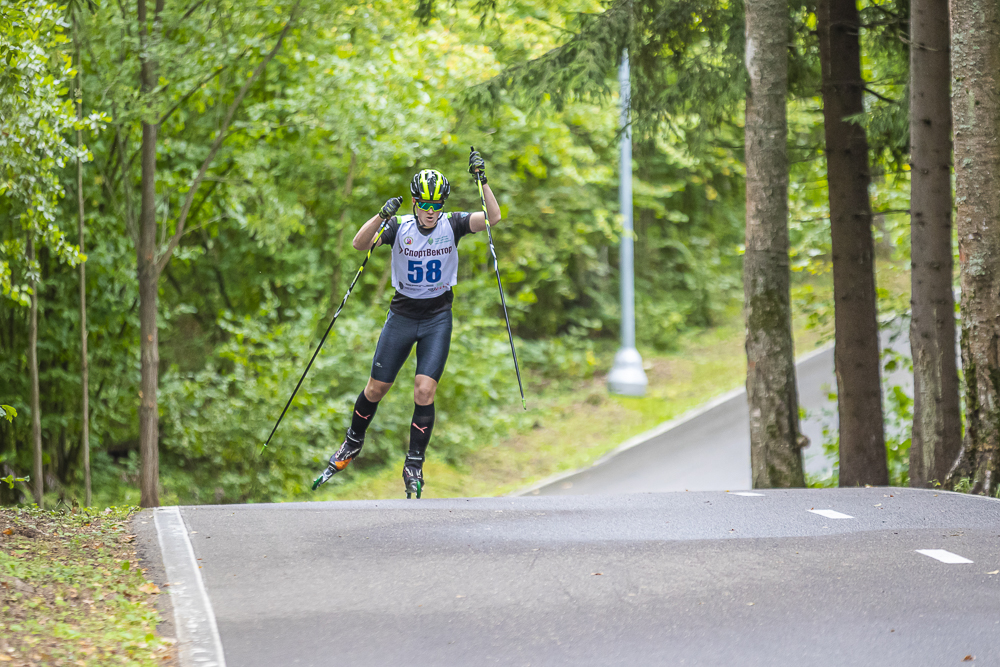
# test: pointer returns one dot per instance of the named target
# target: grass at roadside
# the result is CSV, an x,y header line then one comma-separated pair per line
x,y
71,592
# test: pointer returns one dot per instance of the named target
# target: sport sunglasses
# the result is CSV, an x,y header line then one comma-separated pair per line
x,y
430,205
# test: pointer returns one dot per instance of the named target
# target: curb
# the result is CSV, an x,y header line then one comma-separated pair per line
x,y
198,641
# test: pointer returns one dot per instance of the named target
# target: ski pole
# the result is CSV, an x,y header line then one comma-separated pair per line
x,y
496,267
382,229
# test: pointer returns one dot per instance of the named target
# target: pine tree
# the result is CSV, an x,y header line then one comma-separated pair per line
x,y
856,352
775,454
937,424
975,29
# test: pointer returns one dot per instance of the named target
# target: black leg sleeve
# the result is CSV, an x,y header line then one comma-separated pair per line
x,y
420,429
364,411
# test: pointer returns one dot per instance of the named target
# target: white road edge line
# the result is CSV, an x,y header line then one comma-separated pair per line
x,y
744,493
944,556
657,431
831,514
198,641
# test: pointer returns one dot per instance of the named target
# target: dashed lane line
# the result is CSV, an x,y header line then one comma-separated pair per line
x,y
831,514
944,556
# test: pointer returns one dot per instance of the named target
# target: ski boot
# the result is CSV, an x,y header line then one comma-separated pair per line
x,y
413,475
347,453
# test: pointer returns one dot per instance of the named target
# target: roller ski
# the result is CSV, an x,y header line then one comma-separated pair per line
x,y
413,476
348,451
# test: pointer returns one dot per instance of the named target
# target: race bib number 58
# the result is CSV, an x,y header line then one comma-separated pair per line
x,y
416,273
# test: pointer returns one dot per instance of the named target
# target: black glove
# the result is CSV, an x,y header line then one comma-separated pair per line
x,y
390,208
476,164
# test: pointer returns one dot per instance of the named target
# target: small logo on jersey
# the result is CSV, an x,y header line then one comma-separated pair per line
x,y
439,241
408,240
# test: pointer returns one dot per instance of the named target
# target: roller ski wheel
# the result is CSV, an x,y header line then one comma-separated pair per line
x,y
348,451
413,476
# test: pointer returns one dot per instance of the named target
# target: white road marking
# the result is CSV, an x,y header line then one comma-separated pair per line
x,y
198,638
944,556
831,514
746,493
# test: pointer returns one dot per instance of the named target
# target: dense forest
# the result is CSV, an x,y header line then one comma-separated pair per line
x,y
185,178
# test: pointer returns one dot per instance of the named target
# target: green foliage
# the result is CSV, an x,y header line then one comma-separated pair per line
x,y
963,485
886,70
581,68
8,413
35,115
686,60
10,480
897,408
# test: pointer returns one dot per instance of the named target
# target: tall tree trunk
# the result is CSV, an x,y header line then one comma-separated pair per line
x,y
937,423
975,29
149,343
148,281
150,267
856,353
775,455
36,408
84,367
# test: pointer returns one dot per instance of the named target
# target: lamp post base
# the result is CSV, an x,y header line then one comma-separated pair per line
x,y
627,377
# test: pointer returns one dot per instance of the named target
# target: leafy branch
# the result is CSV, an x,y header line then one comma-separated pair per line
x,y
223,133
10,479
7,412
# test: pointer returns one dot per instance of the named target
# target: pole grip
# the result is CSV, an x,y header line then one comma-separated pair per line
x,y
478,176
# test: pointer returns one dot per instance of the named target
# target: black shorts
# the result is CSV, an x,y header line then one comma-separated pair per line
x,y
433,339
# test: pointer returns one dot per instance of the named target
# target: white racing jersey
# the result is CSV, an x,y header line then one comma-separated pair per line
x,y
424,266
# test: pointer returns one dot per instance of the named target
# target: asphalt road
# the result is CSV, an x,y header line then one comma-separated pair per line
x,y
709,578
712,451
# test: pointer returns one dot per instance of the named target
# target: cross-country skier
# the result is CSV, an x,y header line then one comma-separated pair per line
x,y
424,270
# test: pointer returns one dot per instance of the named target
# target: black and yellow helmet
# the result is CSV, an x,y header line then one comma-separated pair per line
x,y
430,185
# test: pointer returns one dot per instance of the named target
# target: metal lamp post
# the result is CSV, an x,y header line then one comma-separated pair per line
x,y
627,376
